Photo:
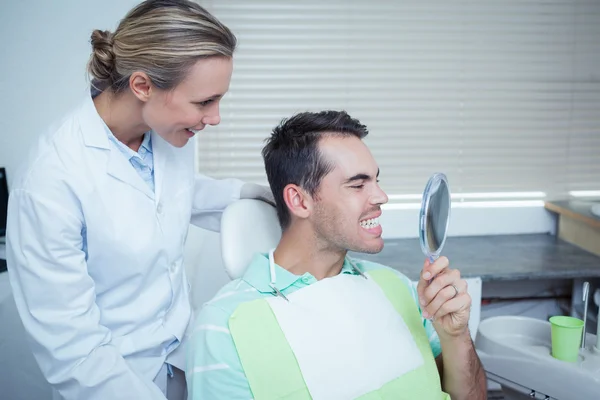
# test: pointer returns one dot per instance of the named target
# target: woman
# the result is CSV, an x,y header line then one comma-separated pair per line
x,y
98,216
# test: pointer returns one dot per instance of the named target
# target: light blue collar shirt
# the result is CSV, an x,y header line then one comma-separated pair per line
x,y
142,160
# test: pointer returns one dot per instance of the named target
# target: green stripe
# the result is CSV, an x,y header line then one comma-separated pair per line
x,y
269,363
421,383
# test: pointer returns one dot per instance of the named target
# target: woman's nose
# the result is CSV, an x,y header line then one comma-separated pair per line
x,y
211,120
213,117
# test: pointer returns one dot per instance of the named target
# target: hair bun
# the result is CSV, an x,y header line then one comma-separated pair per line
x,y
102,61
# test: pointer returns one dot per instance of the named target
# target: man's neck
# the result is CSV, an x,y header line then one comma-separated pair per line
x,y
300,252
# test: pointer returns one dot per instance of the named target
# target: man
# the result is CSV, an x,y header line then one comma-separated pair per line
x,y
307,321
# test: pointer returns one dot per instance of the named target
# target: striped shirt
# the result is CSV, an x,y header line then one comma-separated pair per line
x,y
214,369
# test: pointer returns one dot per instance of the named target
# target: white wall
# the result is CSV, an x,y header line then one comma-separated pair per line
x,y
44,51
497,220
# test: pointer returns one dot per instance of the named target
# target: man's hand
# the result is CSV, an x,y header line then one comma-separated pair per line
x,y
444,298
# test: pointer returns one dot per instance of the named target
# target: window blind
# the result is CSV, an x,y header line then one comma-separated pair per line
x,y
502,96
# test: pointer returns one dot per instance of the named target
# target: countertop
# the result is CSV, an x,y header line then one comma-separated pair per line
x,y
496,258
577,209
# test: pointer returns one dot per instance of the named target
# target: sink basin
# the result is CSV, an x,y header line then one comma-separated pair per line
x,y
516,352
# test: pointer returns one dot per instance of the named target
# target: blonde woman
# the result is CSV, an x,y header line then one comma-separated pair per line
x,y
99,213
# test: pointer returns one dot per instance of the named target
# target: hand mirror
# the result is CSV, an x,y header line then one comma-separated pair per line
x,y
434,216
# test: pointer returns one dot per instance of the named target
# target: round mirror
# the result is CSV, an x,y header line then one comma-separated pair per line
x,y
434,216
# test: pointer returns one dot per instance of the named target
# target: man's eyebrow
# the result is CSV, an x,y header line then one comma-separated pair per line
x,y
360,177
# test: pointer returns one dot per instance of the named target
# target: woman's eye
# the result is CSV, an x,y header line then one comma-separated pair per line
x,y
204,103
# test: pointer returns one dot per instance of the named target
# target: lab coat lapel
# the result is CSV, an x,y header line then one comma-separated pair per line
x,y
94,134
120,168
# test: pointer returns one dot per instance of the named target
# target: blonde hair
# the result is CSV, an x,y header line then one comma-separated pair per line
x,y
162,38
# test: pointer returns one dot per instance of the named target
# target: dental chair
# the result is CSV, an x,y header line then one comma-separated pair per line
x,y
249,226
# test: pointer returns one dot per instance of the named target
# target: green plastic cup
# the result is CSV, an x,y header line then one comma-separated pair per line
x,y
566,337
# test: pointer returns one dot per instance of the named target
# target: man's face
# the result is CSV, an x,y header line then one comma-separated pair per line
x,y
347,203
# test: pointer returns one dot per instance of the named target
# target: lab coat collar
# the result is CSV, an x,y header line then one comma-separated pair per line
x,y
92,126
257,273
94,133
119,167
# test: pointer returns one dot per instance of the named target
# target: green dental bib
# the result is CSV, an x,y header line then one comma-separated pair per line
x,y
274,373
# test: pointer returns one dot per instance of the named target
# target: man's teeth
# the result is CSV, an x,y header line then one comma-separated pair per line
x,y
194,131
370,223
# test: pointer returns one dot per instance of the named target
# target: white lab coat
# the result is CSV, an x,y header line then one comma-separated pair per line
x,y
96,259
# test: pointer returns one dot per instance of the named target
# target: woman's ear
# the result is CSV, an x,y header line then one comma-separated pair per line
x,y
140,85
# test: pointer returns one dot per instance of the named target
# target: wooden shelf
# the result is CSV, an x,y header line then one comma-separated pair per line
x,y
577,224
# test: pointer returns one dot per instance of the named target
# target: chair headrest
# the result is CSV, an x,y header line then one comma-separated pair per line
x,y
247,226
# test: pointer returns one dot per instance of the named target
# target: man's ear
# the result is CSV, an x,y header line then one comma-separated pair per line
x,y
141,85
298,201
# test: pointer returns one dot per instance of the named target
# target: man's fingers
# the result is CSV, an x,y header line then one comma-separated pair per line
x,y
426,266
446,278
422,284
459,303
450,286
442,297
431,270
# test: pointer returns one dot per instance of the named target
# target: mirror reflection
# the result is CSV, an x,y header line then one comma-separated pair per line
x,y
435,213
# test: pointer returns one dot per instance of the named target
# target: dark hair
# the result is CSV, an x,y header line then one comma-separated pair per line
x,y
292,156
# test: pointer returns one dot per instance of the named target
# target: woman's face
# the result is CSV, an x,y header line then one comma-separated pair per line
x,y
177,115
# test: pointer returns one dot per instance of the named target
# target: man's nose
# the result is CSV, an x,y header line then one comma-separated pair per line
x,y
379,197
